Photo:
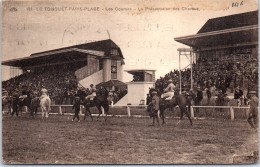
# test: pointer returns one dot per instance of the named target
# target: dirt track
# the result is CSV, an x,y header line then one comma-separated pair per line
x,y
124,141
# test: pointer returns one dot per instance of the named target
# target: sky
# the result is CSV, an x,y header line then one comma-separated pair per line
x,y
145,36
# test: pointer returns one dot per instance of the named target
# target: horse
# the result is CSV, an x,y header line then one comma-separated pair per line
x,y
177,99
45,105
24,101
101,100
35,103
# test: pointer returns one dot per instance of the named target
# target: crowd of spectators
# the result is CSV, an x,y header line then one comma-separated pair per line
x,y
222,82
60,82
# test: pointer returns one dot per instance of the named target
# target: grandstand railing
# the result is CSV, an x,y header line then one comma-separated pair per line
x,y
128,109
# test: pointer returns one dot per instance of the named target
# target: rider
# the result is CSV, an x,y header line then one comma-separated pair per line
x,y
92,94
25,93
169,90
44,93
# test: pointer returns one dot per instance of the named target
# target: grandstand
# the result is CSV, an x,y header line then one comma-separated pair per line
x,y
226,53
63,70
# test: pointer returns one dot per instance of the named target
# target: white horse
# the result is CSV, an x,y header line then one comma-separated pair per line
x,y
45,104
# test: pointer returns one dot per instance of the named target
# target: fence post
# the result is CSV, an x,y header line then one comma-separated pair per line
x,y
191,112
128,111
80,111
103,111
60,111
232,113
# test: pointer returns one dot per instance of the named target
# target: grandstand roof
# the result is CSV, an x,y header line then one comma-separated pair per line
x,y
231,21
233,30
100,49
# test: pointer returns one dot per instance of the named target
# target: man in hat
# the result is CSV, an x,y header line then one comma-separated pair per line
x,y
35,102
238,94
253,110
15,103
155,106
169,90
198,99
76,106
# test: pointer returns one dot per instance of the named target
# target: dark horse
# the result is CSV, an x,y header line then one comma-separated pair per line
x,y
101,100
24,102
178,100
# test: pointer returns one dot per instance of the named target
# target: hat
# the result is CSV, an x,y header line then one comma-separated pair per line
x,y
170,80
91,85
110,93
154,92
77,97
252,92
44,90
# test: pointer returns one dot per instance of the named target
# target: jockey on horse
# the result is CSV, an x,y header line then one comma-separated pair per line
x,y
169,91
92,95
99,98
173,99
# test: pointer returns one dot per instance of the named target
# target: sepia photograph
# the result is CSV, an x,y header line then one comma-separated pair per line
x,y
129,82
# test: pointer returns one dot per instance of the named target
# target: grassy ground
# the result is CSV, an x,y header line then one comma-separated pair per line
x,y
58,140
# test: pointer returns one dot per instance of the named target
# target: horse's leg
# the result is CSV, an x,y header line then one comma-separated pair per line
x,y
99,110
42,112
85,114
182,110
35,112
188,115
156,116
47,113
162,115
90,115
106,108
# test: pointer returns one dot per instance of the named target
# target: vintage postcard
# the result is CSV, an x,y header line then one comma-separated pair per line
x,y
129,82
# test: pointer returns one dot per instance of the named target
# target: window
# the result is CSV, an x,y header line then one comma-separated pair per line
x,y
114,52
113,69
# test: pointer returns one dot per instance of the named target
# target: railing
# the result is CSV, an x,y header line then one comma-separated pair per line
x,y
128,109
231,109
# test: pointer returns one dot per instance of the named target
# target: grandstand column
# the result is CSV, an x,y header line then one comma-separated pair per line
x,y
119,71
106,70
